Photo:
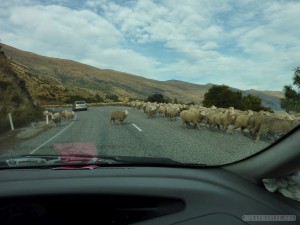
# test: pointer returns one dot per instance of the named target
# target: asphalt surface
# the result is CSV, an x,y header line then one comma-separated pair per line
x,y
139,136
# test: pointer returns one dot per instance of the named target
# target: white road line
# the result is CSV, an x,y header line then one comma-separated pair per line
x,y
139,129
46,142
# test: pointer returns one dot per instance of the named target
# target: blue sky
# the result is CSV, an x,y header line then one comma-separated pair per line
x,y
247,44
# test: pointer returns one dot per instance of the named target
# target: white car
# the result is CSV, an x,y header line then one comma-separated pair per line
x,y
80,106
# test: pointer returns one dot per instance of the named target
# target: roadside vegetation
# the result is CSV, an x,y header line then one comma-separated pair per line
x,y
291,100
223,97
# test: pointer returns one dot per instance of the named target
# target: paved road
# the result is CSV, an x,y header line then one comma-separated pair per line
x,y
139,136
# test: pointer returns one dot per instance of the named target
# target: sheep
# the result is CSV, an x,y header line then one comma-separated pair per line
x,y
254,123
209,114
282,115
191,116
172,112
63,113
118,115
150,110
276,126
56,118
221,119
297,115
67,115
136,104
162,110
262,112
241,122
45,113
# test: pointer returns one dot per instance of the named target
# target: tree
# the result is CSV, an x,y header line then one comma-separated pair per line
x,y
175,101
291,100
222,96
251,102
113,97
99,98
159,98
296,78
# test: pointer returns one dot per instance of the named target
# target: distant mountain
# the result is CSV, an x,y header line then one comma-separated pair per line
x,y
269,98
66,78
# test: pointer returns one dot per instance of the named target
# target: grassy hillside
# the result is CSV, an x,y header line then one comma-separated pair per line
x,y
15,98
49,90
70,78
71,73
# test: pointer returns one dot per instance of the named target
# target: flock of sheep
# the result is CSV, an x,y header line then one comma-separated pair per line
x,y
58,117
226,119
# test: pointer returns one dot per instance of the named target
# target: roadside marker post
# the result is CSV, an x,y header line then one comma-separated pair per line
x,y
11,121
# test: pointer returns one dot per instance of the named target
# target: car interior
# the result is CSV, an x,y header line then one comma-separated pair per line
x,y
176,83
120,194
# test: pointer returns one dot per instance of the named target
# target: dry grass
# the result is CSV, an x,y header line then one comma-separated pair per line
x,y
74,75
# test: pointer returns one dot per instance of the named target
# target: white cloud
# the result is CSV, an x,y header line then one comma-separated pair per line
x,y
61,29
242,43
81,35
122,60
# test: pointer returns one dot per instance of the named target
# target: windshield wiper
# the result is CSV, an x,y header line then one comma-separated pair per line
x,y
83,160
46,160
28,161
140,160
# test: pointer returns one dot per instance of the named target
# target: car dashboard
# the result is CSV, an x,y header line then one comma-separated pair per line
x,y
136,195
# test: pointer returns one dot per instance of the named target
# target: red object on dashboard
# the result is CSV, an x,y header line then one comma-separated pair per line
x,y
76,152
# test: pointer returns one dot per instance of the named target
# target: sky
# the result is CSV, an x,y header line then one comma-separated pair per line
x,y
246,44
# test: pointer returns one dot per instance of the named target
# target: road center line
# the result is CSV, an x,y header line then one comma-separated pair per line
x,y
139,129
46,142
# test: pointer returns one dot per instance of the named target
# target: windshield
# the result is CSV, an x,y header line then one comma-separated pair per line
x,y
194,82
80,102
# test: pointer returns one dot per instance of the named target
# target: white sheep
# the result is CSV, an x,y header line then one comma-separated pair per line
x,y
172,112
276,126
118,115
241,122
67,115
191,116
56,118
45,113
221,118
150,110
